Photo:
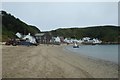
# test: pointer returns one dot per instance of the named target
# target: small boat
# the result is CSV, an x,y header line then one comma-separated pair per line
x,y
76,46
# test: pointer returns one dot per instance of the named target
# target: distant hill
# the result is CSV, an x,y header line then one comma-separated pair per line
x,y
106,33
11,25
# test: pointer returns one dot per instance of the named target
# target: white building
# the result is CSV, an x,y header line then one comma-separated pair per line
x,y
30,38
97,41
67,40
89,40
24,37
57,39
19,35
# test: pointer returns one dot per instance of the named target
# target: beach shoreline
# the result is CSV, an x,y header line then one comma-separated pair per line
x,y
52,61
90,57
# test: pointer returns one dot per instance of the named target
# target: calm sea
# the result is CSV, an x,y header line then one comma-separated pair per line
x,y
104,52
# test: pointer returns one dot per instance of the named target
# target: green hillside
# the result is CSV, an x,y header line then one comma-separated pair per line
x,y
104,33
11,25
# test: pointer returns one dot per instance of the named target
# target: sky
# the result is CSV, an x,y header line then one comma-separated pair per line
x,y
53,15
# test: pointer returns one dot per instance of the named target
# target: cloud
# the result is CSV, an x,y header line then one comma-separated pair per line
x,y
49,15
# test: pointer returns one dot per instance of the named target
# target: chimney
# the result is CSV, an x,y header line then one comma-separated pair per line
x,y
29,34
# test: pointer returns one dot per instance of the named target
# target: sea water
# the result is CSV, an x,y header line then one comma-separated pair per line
x,y
104,52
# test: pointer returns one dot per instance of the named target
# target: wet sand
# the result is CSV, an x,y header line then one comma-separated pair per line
x,y
52,62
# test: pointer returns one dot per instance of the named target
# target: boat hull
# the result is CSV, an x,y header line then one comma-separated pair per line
x,y
75,46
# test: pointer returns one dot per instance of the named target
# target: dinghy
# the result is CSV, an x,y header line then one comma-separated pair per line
x,y
76,46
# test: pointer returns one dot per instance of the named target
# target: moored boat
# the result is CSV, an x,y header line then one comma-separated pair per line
x,y
76,46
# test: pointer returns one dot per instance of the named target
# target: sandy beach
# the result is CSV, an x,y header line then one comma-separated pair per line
x,y
52,62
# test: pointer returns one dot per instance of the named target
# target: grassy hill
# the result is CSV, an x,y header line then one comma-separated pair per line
x,y
105,33
11,25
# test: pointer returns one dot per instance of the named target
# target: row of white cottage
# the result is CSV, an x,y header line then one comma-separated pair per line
x,y
59,39
83,40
